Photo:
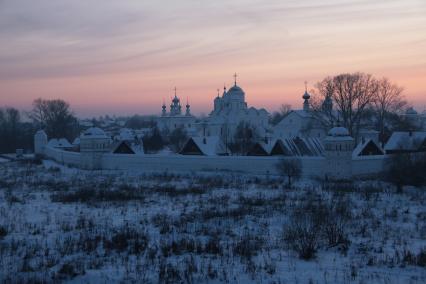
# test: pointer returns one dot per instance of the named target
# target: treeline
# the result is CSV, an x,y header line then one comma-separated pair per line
x,y
17,128
14,132
357,100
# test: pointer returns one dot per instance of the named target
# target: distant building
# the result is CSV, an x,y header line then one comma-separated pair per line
x,y
416,119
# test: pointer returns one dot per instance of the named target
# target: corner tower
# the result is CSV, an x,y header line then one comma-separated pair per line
x,y
338,153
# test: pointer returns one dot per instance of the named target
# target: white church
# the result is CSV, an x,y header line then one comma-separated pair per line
x,y
229,110
176,117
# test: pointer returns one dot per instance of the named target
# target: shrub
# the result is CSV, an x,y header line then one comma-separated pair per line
x,y
304,229
128,239
290,168
71,270
3,232
421,258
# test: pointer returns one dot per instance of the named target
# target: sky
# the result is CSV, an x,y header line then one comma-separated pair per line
x,y
125,57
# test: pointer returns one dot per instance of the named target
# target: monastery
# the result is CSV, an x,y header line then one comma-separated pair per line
x,y
323,152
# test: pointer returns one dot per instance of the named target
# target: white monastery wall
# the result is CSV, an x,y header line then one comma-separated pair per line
x,y
245,164
157,163
312,166
63,157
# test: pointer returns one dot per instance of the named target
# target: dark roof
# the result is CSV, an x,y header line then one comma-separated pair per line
x,y
289,147
367,148
257,150
121,147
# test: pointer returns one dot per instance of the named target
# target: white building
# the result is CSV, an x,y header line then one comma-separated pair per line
x,y
175,118
229,111
301,123
93,144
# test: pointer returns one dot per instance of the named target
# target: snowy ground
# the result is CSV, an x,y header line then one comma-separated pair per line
x,y
61,224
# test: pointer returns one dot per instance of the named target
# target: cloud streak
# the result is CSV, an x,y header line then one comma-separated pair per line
x,y
190,42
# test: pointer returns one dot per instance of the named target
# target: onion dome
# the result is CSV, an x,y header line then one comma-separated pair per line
x,y
306,96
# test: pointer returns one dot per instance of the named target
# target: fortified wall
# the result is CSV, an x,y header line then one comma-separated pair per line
x,y
312,167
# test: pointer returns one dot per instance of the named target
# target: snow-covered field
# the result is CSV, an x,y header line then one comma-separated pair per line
x,y
61,224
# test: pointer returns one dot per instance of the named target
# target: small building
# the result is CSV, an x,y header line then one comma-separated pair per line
x,y
406,142
93,143
205,146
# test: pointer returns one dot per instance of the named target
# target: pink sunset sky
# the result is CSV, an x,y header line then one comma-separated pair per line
x,y
125,57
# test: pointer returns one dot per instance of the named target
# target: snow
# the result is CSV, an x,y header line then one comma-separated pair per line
x,y
241,217
3,160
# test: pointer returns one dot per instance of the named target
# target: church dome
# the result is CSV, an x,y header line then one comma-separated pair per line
x,y
306,96
175,99
235,91
411,111
338,132
94,132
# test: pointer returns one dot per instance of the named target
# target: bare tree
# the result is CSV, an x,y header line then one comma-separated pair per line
x,y
322,103
14,132
280,114
290,168
55,117
351,95
244,138
388,100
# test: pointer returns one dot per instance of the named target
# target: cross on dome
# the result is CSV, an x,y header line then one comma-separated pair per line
x,y
235,78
